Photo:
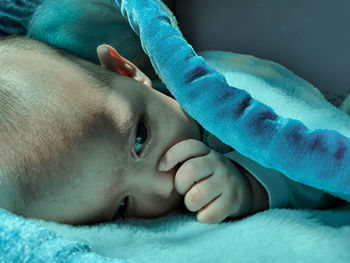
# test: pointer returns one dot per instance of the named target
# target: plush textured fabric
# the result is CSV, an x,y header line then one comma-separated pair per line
x,y
22,240
278,235
15,16
275,236
67,24
79,26
316,157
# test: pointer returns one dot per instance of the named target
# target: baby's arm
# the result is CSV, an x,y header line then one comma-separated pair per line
x,y
260,199
212,185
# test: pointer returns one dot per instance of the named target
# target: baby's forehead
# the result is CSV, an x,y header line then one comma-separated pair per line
x,y
56,161
55,106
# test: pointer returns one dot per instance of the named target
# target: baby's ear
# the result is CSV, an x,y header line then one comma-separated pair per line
x,y
110,59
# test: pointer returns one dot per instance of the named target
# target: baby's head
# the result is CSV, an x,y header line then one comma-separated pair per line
x,y
78,140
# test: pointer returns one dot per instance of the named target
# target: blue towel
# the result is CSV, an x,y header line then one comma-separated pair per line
x,y
316,157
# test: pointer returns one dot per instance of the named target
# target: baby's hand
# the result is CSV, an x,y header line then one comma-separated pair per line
x,y
212,185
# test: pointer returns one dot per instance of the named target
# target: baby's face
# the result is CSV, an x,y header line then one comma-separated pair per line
x,y
114,158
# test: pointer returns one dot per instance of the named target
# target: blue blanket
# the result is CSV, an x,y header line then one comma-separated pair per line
x,y
316,157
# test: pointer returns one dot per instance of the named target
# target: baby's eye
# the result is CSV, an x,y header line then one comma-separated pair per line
x,y
122,209
141,137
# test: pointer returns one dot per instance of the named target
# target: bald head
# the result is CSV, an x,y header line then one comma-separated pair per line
x,y
48,101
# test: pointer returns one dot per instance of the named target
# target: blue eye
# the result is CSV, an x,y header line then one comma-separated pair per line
x,y
122,209
141,137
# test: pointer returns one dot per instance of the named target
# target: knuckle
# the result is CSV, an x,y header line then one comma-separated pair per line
x,y
215,155
216,183
189,167
192,142
215,159
197,146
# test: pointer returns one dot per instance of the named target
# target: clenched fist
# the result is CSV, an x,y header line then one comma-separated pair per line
x,y
212,185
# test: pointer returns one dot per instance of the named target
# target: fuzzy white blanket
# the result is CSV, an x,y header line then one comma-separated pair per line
x,y
278,235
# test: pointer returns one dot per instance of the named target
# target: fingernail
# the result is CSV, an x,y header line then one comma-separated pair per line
x,y
161,166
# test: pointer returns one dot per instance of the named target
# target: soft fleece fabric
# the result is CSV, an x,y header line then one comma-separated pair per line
x,y
313,156
15,16
295,99
275,236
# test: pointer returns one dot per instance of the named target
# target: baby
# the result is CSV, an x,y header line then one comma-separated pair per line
x,y
83,144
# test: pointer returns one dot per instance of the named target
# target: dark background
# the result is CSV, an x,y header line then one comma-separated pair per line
x,y
310,37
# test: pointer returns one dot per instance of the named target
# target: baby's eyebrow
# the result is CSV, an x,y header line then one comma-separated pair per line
x,y
125,128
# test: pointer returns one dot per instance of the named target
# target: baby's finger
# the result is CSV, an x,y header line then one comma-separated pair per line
x,y
215,212
201,194
193,171
180,152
